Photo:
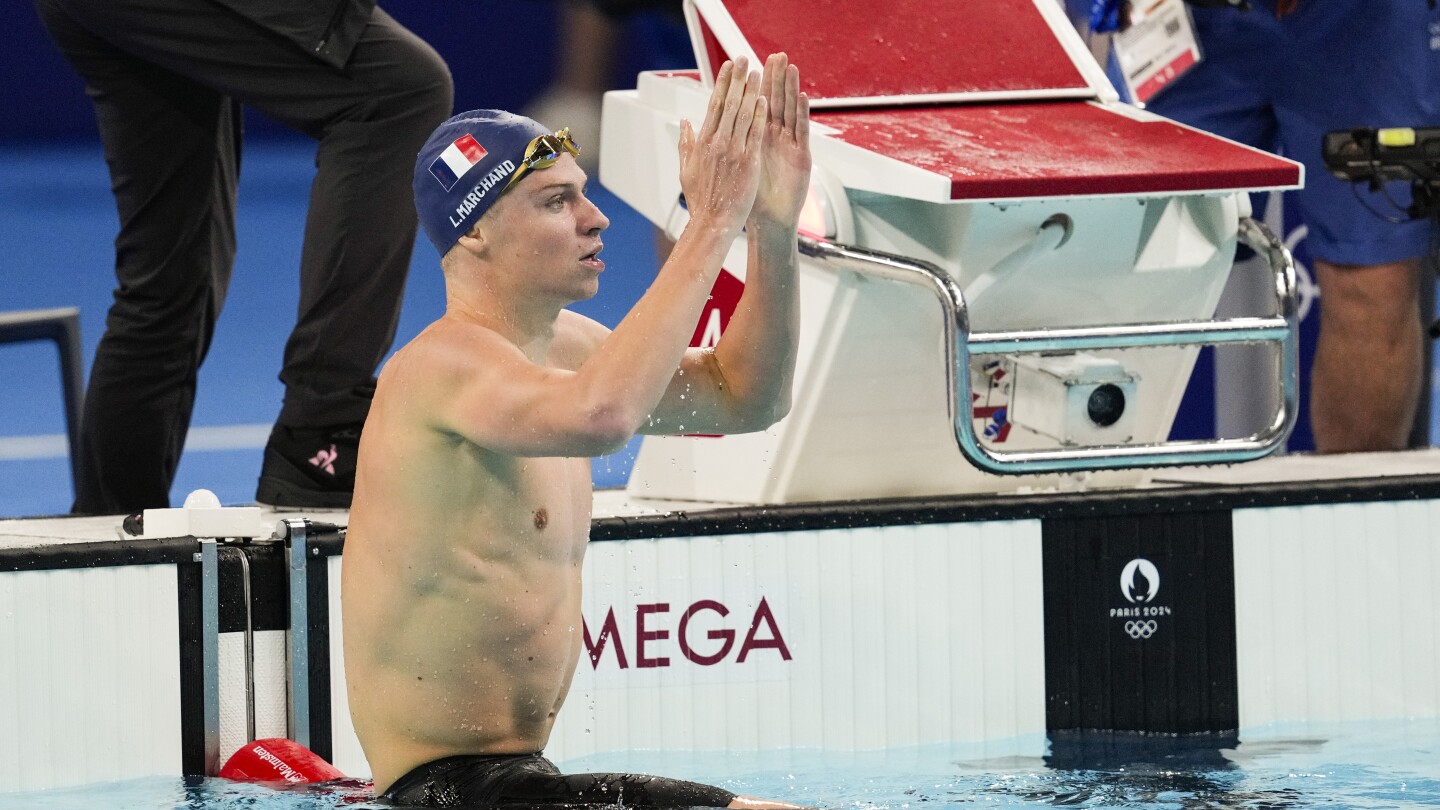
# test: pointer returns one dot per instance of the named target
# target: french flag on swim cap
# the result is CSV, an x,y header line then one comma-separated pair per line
x,y
456,159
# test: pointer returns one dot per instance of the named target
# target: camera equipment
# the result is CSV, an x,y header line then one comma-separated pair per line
x,y
1378,156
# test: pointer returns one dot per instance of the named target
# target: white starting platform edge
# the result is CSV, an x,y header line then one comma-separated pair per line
x,y
1294,589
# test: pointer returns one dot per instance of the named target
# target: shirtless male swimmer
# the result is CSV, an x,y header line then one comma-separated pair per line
x,y
461,592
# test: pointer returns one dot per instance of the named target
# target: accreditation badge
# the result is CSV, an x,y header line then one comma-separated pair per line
x,y
1156,49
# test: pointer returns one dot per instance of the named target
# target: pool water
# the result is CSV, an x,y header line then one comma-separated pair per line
x,y
1389,765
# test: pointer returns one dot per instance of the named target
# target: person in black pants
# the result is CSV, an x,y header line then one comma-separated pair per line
x,y
167,78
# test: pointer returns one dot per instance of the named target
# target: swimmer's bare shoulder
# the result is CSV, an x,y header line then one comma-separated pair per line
x,y
466,380
431,377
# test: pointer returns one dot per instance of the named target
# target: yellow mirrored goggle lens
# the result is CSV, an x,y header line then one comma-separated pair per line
x,y
542,154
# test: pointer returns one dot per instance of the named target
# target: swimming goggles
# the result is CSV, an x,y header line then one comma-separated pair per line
x,y
542,154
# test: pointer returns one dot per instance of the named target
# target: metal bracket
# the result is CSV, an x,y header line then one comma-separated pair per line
x,y
294,532
1280,330
210,651
249,639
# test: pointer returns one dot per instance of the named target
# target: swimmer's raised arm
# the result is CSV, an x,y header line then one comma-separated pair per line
x,y
744,384
521,405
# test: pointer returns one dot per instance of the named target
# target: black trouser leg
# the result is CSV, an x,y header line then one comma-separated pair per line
x,y
172,147
360,231
161,73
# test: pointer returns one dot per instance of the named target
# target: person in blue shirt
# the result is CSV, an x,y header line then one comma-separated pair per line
x,y
1280,75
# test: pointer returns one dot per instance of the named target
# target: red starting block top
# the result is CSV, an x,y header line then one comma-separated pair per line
x,y
995,96
905,51
1055,149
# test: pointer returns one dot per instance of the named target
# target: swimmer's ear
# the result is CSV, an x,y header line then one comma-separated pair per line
x,y
474,240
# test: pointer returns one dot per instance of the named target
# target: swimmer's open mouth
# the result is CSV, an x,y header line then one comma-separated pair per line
x,y
593,257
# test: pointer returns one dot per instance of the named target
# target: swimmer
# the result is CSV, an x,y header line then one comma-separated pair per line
x,y
461,590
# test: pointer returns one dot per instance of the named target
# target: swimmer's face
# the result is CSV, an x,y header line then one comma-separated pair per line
x,y
548,230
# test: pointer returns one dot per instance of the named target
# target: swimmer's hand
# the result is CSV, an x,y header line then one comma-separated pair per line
x,y
785,150
720,164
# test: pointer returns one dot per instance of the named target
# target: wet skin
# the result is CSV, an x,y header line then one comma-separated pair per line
x,y
461,581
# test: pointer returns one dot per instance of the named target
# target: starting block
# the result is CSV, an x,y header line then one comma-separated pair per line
x,y
1006,273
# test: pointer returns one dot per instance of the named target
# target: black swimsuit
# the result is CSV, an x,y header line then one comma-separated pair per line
x,y
531,780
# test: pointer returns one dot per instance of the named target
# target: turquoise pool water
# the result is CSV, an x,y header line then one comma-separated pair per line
x,y
1374,765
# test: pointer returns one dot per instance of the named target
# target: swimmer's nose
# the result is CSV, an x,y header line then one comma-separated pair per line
x,y
593,219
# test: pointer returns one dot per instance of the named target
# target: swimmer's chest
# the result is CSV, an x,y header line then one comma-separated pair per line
x,y
547,498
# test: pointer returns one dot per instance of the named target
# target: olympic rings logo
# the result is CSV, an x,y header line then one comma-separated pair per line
x,y
1143,629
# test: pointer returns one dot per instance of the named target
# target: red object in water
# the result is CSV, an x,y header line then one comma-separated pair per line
x,y
278,760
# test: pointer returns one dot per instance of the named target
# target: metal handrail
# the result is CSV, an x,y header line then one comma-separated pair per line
x,y
1280,330
249,640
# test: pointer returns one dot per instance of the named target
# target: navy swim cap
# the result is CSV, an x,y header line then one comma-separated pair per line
x,y
464,166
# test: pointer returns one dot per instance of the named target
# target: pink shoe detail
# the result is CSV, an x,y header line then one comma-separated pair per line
x,y
325,459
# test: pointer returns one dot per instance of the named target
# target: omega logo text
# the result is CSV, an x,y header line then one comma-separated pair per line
x,y
650,642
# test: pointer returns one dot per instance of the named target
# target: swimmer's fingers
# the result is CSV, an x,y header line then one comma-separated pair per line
x,y
789,108
802,120
687,143
725,100
739,102
797,107
751,113
756,134
716,107
775,80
